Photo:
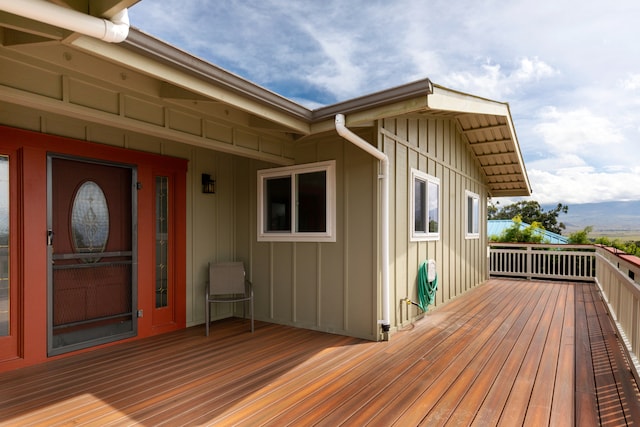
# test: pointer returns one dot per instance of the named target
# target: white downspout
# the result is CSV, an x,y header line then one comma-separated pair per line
x,y
113,31
344,132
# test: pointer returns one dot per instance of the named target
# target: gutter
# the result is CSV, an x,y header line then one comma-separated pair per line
x,y
347,134
160,51
112,31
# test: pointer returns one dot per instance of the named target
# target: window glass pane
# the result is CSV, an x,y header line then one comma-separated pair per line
x,y
473,213
4,246
278,204
311,208
162,241
476,212
297,203
469,214
90,220
419,214
434,190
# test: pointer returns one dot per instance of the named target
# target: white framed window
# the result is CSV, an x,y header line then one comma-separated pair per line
x,y
472,215
297,203
425,206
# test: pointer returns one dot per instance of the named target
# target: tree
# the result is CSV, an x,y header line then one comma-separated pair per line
x,y
517,234
581,237
630,247
530,212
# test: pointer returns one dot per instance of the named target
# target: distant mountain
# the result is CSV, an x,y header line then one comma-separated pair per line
x,y
604,217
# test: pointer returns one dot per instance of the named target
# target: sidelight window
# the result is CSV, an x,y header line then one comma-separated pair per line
x,y
4,247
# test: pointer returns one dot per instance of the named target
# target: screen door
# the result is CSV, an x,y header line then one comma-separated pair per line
x,y
91,247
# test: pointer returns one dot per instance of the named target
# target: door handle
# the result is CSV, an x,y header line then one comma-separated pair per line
x,y
50,237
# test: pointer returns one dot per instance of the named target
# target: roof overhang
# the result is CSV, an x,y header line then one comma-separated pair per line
x,y
186,77
487,127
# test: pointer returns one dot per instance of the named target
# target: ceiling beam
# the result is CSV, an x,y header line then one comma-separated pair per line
x,y
506,176
488,155
484,128
501,166
488,143
98,8
108,8
23,25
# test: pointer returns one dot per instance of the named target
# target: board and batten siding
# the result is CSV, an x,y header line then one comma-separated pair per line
x,y
435,146
211,218
325,286
67,93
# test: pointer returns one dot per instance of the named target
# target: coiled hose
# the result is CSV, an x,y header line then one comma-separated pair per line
x,y
426,290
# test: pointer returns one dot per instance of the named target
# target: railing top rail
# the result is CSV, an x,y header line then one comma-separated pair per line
x,y
590,248
631,260
622,260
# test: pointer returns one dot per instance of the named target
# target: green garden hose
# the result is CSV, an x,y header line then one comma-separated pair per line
x,y
426,290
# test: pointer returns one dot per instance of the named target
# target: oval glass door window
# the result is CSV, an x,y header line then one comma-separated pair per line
x,y
90,220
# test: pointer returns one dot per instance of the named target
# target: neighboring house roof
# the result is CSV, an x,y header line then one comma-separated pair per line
x,y
495,227
485,125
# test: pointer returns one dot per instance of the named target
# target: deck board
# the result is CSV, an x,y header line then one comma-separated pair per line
x,y
510,352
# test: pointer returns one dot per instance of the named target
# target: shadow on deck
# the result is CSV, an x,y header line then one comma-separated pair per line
x,y
510,352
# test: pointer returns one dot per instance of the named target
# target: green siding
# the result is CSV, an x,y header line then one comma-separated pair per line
x,y
436,147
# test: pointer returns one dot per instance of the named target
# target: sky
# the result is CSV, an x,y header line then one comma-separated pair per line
x,y
569,69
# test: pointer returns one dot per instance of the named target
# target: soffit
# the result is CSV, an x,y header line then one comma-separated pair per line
x,y
488,129
98,8
493,143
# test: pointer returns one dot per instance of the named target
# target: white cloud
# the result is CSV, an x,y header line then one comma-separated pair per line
x,y
583,157
576,131
491,81
337,72
532,70
582,185
632,82
567,69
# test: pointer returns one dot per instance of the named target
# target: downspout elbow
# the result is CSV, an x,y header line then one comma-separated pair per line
x,y
347,134
115,30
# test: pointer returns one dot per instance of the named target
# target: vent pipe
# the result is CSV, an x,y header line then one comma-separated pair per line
x,y
347,134
113,31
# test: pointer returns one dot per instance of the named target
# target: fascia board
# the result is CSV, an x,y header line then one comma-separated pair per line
x,y
512,131
391,96
449,100
367,117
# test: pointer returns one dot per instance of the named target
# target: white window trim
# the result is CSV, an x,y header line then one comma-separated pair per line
x,y
471,195
418,236
291,171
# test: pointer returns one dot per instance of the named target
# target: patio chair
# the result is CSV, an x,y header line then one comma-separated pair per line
x,y
228,284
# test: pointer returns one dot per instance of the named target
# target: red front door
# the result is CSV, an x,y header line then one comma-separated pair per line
x,y
92,286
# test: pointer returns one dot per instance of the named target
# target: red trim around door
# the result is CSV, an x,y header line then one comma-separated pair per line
x,y
30,226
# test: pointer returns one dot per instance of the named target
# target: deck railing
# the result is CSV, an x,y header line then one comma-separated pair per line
x,y
617,278
570,262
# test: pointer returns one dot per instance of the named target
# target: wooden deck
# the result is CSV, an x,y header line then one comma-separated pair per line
x,y
511,352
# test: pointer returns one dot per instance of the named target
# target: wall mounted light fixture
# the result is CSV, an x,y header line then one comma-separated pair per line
x,y
208,184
